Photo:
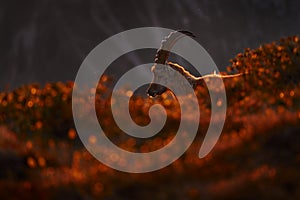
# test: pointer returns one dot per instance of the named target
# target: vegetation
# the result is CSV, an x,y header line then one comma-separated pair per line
x,y
257,156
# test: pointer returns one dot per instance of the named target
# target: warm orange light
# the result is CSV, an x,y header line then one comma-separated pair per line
x,y
92,139
29,104
41,162
33,91
281,95
31,162
129,93
219,103
29,145
104,78
72,133
38,125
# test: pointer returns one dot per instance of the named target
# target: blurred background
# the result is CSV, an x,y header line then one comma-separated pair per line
x,y
45,41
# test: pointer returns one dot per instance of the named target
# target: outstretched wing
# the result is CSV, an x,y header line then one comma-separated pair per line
x,y
214,75
167,44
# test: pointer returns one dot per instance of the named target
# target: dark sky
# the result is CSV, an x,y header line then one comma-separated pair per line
x,y
46,40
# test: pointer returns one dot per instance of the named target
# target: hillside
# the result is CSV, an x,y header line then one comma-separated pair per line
x,y
257,156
